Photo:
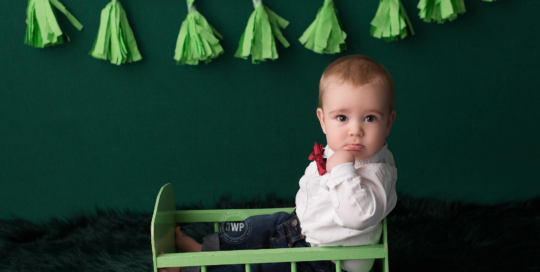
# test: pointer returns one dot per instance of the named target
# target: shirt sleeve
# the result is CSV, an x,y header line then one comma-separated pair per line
x,y
361,197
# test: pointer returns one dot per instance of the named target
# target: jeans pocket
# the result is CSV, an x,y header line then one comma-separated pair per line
x,y
281,239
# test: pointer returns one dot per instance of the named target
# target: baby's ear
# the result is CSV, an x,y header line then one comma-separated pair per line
x,y
391,120
320,115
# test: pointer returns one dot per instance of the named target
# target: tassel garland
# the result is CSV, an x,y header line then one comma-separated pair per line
x,y
391,21
258,39
324,35
42,28
197,39
115,40
440,10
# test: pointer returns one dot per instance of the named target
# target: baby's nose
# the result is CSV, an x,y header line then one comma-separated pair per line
x,y
356,132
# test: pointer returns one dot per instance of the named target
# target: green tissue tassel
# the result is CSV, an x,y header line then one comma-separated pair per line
x,y
258,38
115,40
391,21
324,35
440,10
42,29
196,41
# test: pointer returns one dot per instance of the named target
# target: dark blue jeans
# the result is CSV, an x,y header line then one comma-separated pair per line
x,y
278,230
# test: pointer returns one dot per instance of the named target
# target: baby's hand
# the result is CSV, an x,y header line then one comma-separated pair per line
x,y
341,156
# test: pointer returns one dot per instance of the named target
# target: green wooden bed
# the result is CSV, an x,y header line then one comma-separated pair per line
x,y
166,216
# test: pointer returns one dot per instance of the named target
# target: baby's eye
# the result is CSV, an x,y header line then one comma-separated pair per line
x,y
342,118
370,118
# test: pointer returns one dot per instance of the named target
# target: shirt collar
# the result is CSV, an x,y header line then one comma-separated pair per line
x,y
379,157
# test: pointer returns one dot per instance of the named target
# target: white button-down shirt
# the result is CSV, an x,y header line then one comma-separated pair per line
x,y
346,207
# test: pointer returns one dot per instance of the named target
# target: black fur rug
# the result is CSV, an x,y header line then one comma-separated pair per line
x,y
424,235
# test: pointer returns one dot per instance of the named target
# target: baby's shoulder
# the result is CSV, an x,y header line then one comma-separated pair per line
x,y
311,169
389,158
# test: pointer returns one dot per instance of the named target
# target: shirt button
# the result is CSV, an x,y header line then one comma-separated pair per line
x,y
294,222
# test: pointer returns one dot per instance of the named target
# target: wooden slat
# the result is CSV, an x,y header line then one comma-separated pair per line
x,y
270,255
386,268
191,216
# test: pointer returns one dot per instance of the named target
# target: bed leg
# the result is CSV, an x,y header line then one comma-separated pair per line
x,y
338,265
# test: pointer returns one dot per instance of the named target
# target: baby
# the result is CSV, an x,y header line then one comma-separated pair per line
x,y
346,205
349,187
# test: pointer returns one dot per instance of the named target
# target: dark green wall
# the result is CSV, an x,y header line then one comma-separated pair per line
x,y
77,132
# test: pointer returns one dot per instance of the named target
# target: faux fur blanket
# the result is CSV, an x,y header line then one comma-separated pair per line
x,y
424,235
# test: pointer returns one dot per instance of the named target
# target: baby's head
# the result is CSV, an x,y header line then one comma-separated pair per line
x,y
356,105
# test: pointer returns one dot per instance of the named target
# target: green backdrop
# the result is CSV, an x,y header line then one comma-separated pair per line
x,y
78,132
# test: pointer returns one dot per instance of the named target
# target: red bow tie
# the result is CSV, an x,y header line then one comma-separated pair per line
x,y
317,156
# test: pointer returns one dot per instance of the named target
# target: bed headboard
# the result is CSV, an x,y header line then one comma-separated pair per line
x,y
163,223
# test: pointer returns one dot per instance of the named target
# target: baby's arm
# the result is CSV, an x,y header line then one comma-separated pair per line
x,y
341,156
360,199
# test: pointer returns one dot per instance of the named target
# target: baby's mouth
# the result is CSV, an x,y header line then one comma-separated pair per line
x,y
354,147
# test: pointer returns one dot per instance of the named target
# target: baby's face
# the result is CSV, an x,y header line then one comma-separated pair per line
x,y
356,118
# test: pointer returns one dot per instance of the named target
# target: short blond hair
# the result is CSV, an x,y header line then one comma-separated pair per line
x,y
357,70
